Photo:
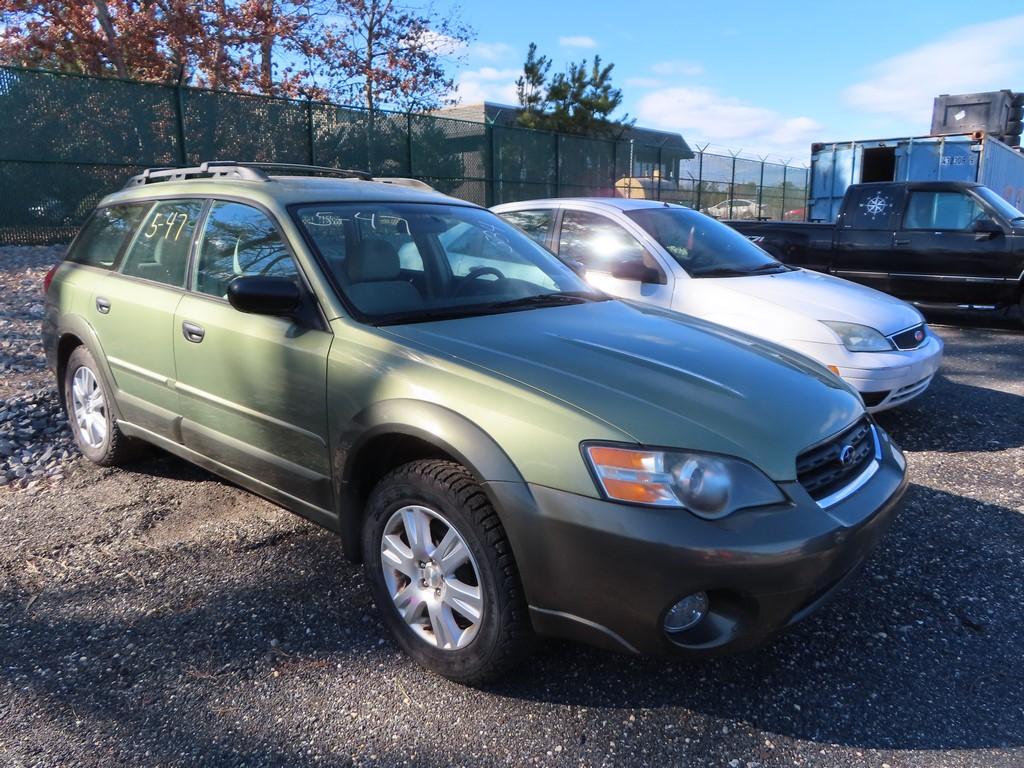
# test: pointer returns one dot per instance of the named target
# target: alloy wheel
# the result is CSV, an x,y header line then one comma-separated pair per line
x,y
89,408
432,577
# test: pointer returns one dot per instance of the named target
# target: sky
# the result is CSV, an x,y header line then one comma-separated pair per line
x,y
761,78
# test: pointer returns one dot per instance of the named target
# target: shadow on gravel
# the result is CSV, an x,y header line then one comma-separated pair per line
x,y
178,679
954,418
922,651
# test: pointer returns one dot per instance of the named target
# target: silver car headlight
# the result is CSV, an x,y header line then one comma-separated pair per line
x,y
708,485
860,338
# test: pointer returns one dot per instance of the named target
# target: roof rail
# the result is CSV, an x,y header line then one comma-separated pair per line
x,y
213,169
400,181
227,169
321,170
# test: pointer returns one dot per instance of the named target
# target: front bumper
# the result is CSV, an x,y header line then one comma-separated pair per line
x,y
884,379
607,573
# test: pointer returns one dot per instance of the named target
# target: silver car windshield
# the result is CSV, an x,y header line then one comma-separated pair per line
x,y
414,262
703,246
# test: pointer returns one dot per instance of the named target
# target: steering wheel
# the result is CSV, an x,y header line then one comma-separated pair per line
x,y
474,274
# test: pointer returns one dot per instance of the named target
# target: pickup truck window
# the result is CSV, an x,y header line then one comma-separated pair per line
x,y
870,208
941,210
702,246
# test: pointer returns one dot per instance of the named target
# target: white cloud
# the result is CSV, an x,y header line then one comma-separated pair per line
x,y
487,84
490,51
702,115
677,67
577,41
980,57
441,44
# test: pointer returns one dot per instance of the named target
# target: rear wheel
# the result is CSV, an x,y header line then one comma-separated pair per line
x,y
89,411
442,572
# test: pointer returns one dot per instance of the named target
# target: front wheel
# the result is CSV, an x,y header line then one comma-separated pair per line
x,y
442,573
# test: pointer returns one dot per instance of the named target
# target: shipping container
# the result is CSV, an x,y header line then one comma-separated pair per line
x,y
967,157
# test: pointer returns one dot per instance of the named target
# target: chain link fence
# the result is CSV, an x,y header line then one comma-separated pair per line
x,y
67,140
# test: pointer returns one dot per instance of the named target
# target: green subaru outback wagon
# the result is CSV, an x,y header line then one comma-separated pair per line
x,y
508,451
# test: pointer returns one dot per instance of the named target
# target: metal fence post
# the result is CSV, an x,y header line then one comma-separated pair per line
x,y
558,164
782,204
614,165
309,131
489,192
700,175
179,114
732,185
661,150
408,142
760,191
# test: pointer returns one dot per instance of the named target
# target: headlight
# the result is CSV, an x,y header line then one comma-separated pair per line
x,y
860,338
707,485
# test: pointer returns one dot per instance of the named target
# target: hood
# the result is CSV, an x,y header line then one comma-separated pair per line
x,y
824,297
662,378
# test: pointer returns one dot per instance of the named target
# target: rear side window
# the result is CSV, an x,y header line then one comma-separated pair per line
x,y
105,234
160,249
239,240
537,224
871,208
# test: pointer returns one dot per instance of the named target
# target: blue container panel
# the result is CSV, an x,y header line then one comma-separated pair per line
x,y
953,158
1003,172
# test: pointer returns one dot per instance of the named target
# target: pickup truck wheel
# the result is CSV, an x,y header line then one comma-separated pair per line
x,y
89,413
442,573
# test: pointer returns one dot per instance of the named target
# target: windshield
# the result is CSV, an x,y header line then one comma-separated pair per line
x,y
411,262
703,246
1002,207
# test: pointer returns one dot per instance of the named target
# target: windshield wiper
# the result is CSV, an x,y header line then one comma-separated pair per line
x,y
547,300
770,265
722,272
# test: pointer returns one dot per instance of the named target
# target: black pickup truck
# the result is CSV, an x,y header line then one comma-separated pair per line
x,y
930,242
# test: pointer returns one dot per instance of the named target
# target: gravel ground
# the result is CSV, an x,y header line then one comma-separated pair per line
x,y
159,616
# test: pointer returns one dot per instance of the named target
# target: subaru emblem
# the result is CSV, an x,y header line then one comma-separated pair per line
x,y
846,455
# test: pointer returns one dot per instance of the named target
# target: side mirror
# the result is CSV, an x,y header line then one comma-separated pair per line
x,y
259,295
986,228
576,266
638,272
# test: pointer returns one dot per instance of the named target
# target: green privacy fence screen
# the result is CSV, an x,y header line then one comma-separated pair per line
x,y
67,140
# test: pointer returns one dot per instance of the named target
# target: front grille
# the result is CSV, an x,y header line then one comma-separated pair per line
x,y
908,339
820,470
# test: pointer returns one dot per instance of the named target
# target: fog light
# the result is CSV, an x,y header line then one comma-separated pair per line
x,y
687,612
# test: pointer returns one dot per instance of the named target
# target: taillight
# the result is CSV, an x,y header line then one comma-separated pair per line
x,y
49,278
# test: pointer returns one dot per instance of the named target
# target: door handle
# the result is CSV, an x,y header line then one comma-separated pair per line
x,y
192,332
102,305
901,243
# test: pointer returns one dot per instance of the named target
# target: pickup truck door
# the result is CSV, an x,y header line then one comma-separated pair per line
x,y
939,256
864,236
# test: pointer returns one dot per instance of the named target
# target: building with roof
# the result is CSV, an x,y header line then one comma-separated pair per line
x,y
654,153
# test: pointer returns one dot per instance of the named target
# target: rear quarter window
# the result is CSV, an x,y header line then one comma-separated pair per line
x,y
104,235
872,208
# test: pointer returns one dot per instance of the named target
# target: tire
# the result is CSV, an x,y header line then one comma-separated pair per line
x,y
432,499
89,414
